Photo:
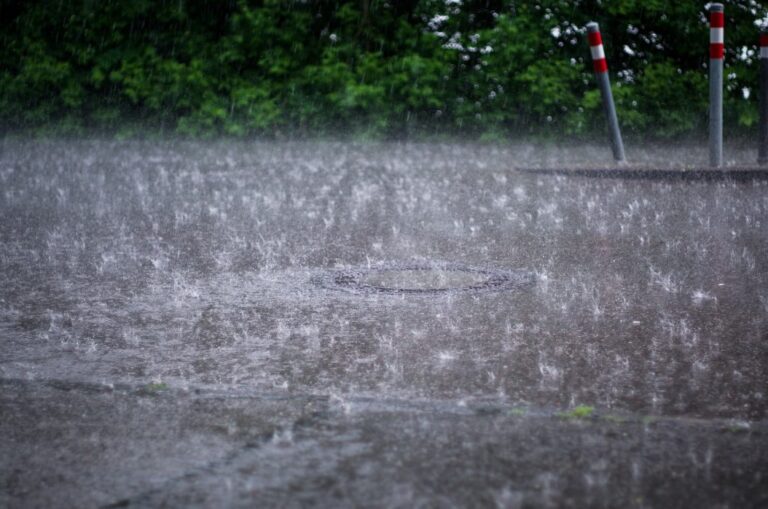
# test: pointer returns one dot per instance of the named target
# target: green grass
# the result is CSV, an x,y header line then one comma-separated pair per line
x,y
579,412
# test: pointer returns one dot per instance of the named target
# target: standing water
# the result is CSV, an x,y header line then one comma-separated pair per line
x,y
386,325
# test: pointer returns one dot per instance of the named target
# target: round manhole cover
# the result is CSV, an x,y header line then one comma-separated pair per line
x,y
421,279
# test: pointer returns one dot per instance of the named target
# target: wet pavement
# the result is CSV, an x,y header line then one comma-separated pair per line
x,y
397,325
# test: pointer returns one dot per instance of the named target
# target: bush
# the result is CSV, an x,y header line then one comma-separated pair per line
x,y
379,69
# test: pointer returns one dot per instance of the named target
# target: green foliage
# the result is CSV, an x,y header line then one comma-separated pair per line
x,y
152,389
488,69
579,412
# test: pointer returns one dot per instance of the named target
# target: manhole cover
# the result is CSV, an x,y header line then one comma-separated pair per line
x,y
421,279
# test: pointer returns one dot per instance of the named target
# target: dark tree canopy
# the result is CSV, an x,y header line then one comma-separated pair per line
x,y
365,68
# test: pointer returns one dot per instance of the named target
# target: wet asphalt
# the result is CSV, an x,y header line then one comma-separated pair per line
x,y
387,325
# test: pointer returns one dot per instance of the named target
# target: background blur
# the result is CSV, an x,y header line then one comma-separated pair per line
x,y
369,69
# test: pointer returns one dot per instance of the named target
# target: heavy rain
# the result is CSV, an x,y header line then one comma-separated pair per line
x,y
369,320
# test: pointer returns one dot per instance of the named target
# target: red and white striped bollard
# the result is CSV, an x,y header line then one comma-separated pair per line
x,y
603,82
716,54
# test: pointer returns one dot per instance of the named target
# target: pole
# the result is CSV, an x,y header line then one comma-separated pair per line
x,y
762,148
716,53
604,83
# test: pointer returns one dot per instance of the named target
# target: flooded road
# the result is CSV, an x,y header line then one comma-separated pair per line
x,y
162,326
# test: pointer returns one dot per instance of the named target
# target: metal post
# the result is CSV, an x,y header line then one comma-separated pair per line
x,y
716,52
604,83
762,148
